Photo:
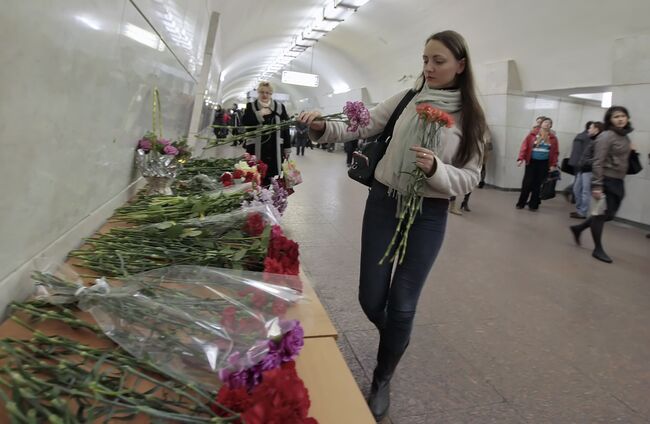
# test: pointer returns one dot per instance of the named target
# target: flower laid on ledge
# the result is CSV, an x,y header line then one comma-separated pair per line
x,y
238,239
282,349
49,380
433,120
275,196
281,398
283,253
355,114
152,209
250,169
271,390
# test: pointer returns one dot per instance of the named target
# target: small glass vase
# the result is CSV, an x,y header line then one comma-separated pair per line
x,y
159,186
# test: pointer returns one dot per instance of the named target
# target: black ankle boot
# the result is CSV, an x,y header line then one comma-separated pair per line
x,y
597,224
464,207
600,254
379,399
576,230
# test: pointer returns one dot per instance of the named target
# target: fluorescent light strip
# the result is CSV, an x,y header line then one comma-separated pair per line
x,y
300,78
331,15
143,36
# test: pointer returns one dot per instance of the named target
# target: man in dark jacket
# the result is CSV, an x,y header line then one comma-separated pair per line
x,y
580,160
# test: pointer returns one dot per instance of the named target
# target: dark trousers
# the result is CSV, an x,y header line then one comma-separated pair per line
x,y
614,191
300,147
389,300
300,150
350,147
536,172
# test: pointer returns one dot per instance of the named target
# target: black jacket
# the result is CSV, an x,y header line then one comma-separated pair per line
x,y
269,145
580,143
587,158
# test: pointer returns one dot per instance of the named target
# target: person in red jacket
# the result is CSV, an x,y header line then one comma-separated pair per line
x,y
539,151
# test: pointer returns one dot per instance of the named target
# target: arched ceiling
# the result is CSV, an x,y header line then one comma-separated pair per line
x,y
556,44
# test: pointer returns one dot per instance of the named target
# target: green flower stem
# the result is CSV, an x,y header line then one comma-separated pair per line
x,y
98,391
412,201
158,209
261,130
36,380
210,167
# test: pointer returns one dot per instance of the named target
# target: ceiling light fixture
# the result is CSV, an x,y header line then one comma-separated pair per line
x,y
300,78
329,17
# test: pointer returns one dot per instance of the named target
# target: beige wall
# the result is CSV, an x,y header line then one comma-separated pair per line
x,y
76,97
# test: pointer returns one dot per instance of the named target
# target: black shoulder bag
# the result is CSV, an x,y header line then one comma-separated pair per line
x,y
365,160
633,163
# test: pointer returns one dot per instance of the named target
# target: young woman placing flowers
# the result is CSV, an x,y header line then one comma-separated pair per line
x,y
410,195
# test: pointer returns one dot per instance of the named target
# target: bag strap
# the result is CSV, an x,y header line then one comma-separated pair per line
x,y
390,125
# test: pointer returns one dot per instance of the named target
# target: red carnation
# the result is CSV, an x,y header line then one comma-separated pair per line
x,y
249,177
254,225
226,179
228,317
245,292
281,398
259,299
283,252
237,174
249,324
272,266
262,168
236,400
279,307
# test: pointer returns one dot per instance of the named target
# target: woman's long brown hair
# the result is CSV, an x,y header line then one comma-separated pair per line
x,y
473,125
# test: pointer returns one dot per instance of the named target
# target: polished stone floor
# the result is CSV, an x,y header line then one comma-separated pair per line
x,y
516,324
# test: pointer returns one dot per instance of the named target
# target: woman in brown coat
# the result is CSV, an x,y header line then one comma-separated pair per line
x,y
609,167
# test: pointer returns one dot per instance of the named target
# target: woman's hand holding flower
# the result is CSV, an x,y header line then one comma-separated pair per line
x,y
424,159
312,121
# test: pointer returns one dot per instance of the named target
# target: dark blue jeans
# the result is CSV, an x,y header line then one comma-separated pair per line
x,y
390,299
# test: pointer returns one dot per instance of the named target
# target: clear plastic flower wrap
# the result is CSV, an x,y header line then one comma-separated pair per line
x,y
152,164
252,221
192,322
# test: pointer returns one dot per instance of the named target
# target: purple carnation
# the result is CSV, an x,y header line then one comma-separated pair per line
x,y
271,360
165,142
234,379
292,341
357,114
144,144
170,150
280,196
280,351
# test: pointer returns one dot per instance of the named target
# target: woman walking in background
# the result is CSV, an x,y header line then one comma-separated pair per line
x,y
609,167
539,151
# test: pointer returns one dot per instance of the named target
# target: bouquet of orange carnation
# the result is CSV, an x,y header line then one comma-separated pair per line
x,y
432,120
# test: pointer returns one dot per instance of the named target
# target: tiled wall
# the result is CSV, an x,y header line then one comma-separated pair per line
x,y
636,205
76,84
511,116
